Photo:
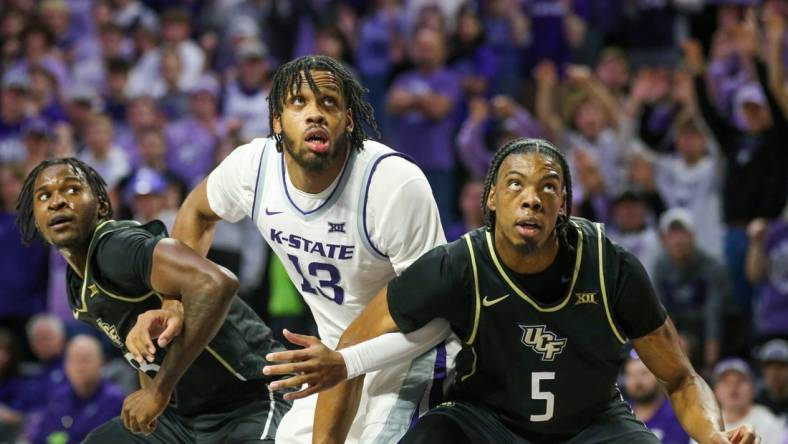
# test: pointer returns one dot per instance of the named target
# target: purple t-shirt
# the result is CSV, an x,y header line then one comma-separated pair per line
x,y
428,142
72,417
547,31
666,426
375,38
192,149
23,271
772,308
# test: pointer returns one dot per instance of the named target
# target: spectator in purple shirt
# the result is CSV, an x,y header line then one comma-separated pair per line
x,y
47,337
23,269
12,388
767,264
40,51
471,57
15,99
649,403
195,139
142,113
87,401
471,211
116,92
489,125
422,102
380,48
45,96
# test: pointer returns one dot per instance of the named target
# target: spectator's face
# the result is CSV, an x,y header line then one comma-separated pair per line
x,y
330,45
12,25
640,384
13,104
690,144
37,145
56,19
589,119
613,72
83,365
468,28
78,112
679,243
152,148
756,117
141,113
775,375
111,43
41,85
99,137
66,212
46,342
148,206
175,31
315,126
428,49
203,104
35,44
527,198
252,72
630,215
171,67
116,83
734,391
470,199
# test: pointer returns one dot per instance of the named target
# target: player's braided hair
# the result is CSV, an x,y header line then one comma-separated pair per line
x,y
290,75
524,146
25,219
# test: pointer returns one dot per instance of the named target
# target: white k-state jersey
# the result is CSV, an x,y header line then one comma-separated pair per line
x,y
340,246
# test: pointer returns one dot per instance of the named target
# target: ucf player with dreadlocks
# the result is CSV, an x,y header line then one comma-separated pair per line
x,y
545,304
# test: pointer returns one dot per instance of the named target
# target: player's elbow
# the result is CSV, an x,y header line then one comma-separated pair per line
x,y
218,282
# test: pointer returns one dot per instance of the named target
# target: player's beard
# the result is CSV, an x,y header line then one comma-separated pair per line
x,y
318,161
647,397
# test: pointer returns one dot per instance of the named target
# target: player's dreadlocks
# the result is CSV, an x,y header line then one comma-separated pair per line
x,y
289,77
523,146
24,204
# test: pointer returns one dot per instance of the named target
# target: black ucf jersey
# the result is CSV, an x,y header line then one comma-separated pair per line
x,y
545,370
226,375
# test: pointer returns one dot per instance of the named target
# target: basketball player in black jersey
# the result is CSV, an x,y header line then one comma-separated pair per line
x,y
545,305
207,384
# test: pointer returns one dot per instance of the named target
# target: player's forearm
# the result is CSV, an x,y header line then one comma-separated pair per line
x,y
205,306
335,411
696,408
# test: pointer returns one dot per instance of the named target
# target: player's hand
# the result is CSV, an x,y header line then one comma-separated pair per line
x,y
161,324
141,408
744,434
316,365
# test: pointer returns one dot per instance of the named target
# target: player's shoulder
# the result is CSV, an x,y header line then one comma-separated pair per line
x,y
382,161
115,235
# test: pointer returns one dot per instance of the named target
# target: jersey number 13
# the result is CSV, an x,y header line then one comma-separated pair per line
x,y
327,280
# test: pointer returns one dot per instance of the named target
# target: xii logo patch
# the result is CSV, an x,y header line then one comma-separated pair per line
x,y
585,298
541,340
336,227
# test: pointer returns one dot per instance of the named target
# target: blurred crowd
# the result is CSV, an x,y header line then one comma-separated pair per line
x,y
672,114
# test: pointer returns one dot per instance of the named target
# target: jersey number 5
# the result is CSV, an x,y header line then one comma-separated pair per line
x,y
536,393
337,294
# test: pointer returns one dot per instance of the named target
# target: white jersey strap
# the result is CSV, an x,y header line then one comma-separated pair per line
x,y
364,196
262,170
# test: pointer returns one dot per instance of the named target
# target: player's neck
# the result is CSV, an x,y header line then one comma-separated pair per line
x,y
76,258
533,262
310,181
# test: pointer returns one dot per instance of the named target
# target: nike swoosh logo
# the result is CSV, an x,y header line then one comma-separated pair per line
x,y
488,303
271,213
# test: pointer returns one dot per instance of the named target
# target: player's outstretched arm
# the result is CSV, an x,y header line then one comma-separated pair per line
x,y
195,224
206,291
692,399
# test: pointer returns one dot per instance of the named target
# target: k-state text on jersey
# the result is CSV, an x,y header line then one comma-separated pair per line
x,y
333,251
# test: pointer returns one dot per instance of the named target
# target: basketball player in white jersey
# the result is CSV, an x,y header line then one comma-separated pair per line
x,y
345,215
